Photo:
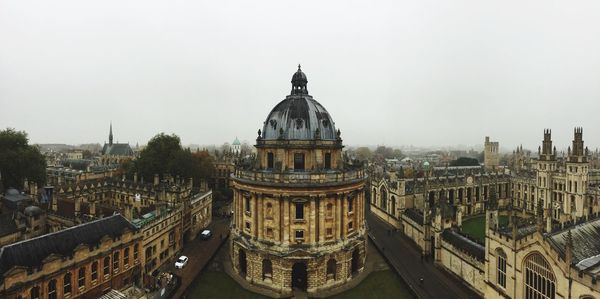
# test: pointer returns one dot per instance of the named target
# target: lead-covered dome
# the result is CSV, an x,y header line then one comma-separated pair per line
x,y
299,116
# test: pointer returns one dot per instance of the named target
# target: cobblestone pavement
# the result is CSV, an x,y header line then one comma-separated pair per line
x,y
200,253
404,256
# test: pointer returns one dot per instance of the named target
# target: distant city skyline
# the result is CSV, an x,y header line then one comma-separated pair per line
x,y
390,73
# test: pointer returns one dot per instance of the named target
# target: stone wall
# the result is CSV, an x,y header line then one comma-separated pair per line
x,y
466,267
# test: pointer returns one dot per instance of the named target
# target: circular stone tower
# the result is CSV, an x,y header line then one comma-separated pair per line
x,y
298,207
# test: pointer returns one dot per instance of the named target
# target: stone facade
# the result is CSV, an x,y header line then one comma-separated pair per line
x,y
298,207
87,270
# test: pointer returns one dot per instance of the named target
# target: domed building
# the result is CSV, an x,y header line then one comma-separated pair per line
x,y
298,207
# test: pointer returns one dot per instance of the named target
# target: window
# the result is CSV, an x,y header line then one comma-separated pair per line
x,y
299,211
81,277
106,265
269,211
267,269
327,160
67,283
350,204
350,226
248,226
136,248
329,210
34,293
539,278
126,257
269,233
247,205
298,161
501,267
270,161
52,289
331,269
116,261
299,235
329,232
94,271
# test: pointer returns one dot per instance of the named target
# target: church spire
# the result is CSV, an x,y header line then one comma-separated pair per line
x,y
110,135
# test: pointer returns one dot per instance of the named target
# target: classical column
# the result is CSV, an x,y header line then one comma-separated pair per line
x,y
337,217
321,206
312,225
260,215
286,220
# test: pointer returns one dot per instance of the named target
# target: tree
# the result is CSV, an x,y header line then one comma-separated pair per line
x,y
363,153
465,161
19,160
165,155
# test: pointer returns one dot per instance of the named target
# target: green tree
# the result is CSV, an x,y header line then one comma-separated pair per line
x,y
19,160
165,155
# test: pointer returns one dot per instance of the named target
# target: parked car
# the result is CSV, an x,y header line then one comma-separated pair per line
x,y
205,234
181,262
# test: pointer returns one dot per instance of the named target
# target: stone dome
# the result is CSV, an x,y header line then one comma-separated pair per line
x,y
299,116
32,211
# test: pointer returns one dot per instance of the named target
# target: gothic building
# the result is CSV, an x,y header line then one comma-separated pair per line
x,y
298,207
115,153
549,246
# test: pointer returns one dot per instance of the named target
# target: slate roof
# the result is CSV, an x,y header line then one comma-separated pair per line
x,y
464,244
117,149
586,243
30,253
7,224
415,215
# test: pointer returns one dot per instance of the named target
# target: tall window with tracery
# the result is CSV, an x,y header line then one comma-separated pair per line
x,y
539,278
501,268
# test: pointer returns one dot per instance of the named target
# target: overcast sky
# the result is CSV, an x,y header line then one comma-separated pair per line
x,y
389,72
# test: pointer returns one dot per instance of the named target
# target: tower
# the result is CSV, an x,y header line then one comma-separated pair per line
x,y
546,166
491,154
576,177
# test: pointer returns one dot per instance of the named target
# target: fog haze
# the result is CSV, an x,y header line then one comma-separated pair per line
x,y
389,72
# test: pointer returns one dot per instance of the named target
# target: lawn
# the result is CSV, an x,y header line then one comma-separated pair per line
x,y
379,285
213,284
475,227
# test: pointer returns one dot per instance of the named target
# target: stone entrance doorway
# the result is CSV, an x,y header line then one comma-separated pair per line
x,y
355,261
299,276
243,263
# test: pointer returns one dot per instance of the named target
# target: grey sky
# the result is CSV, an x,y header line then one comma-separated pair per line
x,y
389,72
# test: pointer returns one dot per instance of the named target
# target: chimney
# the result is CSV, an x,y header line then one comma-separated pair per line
x,y
156,179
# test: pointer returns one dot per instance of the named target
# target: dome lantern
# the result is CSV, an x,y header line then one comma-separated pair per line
x,y
299,82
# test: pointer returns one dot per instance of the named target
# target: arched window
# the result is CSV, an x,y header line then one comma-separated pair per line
x,y
67,283
269,211
94,271
501,268
331,269
383,198
116,261
329,210
126,257
106,265
539,278
267,269
350,204
52,289
34,293
393,209
81,277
